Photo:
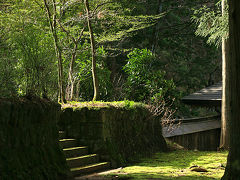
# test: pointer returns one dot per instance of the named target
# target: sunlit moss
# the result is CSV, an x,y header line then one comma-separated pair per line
x,y
176,165
100,104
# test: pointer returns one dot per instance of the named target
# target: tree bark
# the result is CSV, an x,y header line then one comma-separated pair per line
x,y
77,90
71,79
157,27
233,164
70,85
94,74
53,26
224,141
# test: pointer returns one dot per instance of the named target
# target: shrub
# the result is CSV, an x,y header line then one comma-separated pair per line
x,y
146,80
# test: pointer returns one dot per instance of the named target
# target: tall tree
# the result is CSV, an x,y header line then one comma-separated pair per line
x,y
157,27
214,25
233,163
224,141
94,73
53,26
71,78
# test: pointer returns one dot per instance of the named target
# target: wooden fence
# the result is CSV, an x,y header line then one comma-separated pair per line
x,y
195,133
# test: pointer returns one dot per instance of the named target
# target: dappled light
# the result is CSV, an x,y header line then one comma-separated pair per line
x,y
176,165
148,89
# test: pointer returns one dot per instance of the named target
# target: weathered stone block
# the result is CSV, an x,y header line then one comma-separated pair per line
x,y
118,133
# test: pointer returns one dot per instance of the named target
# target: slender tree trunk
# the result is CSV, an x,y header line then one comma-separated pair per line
x,y
224,141
70,86
94,74
71,81
77,90
52,23
232,171
157,27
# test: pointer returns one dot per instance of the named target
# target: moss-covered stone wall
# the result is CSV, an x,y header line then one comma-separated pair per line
x,y
29,140
119,134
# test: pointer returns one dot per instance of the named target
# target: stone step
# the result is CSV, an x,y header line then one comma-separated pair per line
x,y
82,160
90,168
75,151
67,143
61,135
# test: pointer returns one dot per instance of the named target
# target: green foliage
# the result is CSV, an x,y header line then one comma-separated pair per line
x,y
28,62
7,73
211,23
146,81
117,21
125,26
186,58
29,49
85,75
34,67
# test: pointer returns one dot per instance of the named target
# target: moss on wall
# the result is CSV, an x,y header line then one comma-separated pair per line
x,y
29,140
118,133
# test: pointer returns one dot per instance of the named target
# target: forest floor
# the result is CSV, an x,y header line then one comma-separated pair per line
x,y
173,165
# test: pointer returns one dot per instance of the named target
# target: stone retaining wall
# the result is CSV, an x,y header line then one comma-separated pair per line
x,y
118,134
29,140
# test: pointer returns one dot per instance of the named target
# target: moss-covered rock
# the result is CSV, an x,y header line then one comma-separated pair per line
x,y
119,133
29,146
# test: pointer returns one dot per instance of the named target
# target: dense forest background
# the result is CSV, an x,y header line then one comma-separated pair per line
x,y
145,50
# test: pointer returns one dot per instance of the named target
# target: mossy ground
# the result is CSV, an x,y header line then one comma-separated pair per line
x,y
176,165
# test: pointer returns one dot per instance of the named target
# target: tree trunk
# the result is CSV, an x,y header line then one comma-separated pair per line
x,y
224,141
77,90
52,23
94,74
233,164
157,27
71,79
70,86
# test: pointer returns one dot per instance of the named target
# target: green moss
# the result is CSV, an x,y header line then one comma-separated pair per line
x,y
176,165
97,105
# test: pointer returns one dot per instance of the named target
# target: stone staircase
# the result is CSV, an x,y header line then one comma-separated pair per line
x,y
78,159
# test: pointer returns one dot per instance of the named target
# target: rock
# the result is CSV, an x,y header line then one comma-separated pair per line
x,y
198,169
